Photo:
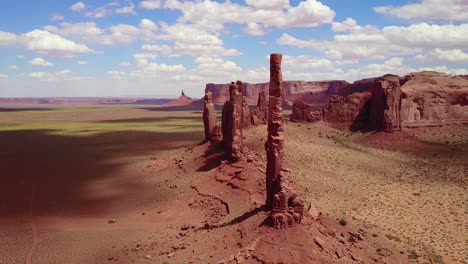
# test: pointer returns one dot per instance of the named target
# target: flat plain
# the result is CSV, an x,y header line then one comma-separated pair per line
x,y
97,184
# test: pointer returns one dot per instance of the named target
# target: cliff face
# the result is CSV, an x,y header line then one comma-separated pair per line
x,y
391,102
433,98
309,92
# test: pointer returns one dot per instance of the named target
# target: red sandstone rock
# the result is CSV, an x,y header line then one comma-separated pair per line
x,y
418,99
385,104
300,111
432,98
232,122
260,113
309,92
209,116
350,112
183,100
275,141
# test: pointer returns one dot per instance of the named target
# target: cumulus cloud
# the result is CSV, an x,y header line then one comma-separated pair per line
x,y
254,29
13,67
446,70
370,42
348,24
3,76
51,76
81,62
150,4
7,38
79,6
189,40
124,64
441,55
40,62
44,42
213,15
116,34
130,9
57,17
451,10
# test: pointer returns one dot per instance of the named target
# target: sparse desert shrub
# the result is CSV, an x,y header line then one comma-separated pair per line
x,y
392,237
343,222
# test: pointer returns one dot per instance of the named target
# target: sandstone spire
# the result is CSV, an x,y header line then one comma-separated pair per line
x,y
275,141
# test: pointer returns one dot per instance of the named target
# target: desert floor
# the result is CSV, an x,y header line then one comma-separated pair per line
x,y
119,184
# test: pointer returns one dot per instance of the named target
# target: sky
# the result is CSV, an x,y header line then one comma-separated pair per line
x,y
156,48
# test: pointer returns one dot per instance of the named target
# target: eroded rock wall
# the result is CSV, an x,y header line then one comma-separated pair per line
x,y
433,98
310,92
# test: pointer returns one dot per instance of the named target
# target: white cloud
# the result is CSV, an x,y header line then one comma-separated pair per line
x,y
148,24
211,15
7,38
191,40
118,75
116,34
124,64
41,62
307,63
446,70
370,42
348,24
451,10
130,9
51,76
150,4
57,17
424,35
268,4
81,62
3,76
254,29
440,55
44,42
78,6
13,67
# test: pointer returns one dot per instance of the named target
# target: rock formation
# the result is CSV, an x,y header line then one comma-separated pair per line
x,y
390,102
209,116
233,120
309,92
385,104
182,100
260,113
432,99
275,141
300,111
348,112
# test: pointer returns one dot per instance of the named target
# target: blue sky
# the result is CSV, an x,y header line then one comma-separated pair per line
x,y
159,47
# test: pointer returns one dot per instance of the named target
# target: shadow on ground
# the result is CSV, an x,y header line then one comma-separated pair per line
x,y
71,172
4,109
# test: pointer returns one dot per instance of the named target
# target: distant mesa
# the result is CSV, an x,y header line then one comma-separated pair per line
x,y
182,100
